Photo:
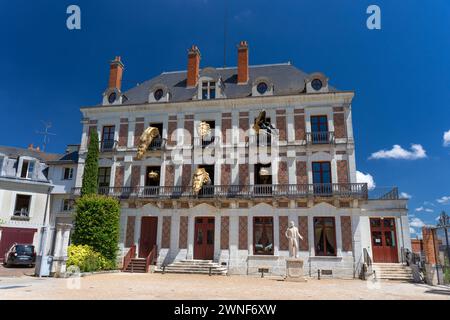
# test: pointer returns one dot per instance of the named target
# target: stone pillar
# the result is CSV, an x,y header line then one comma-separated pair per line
x,y
60,253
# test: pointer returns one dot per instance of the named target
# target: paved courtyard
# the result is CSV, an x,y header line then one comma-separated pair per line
x,y
172,286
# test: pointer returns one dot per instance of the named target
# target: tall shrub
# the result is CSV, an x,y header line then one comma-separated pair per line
x,y
90,174
97,224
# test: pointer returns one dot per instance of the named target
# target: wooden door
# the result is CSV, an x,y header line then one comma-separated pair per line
x,y
149,227
384,240
204,238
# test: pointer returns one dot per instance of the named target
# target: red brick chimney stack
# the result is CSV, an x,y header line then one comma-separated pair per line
x,y
115,74
242,63
193,66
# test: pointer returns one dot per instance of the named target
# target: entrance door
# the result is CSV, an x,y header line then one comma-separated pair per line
x,y
384,240
149,226
9,236
204,238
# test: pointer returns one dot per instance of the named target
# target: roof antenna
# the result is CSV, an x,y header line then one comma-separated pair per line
x,y
45,133
225,34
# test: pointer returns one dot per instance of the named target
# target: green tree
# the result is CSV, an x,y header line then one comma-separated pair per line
x,y
90,174
97,224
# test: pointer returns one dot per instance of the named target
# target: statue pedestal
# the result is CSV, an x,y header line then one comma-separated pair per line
x,y
294,270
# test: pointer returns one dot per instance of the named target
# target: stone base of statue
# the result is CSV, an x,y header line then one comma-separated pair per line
x,y
294,270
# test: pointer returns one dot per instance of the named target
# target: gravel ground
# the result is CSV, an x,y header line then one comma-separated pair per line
x,y
172,286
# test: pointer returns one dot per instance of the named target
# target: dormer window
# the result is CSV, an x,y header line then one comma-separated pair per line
x,y
158,94
27,169
208,90
112,97
261,87
316,84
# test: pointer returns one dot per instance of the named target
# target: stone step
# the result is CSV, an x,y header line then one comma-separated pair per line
x,y
214,272
194,267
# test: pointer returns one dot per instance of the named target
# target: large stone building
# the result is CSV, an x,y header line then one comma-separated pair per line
x,y
297,164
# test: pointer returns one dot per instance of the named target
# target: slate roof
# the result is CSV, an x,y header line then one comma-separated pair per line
x,y
14,152
286,79
55,158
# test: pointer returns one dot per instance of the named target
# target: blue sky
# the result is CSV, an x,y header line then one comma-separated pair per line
x,y
400,73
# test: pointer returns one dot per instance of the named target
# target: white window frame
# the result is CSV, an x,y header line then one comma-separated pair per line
x,y
208,88
29,205
20,165
70,176
70,206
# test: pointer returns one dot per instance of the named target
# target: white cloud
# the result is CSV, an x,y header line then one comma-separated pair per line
x,y
405,195
420,209
444,200
428,203
397,152
412,230
365,178
416,223
447,138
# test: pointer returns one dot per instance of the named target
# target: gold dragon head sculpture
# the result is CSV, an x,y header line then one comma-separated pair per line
x,y
199,178
259,121
144,141
204,129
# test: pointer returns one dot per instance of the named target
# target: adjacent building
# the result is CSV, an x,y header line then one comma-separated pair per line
x,y
35,191
297,165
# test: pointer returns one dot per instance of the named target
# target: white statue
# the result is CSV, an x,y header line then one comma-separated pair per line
x,y
292,234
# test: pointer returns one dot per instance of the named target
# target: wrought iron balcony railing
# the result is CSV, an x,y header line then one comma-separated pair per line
x,y
293,191
108,145
157,144
325,137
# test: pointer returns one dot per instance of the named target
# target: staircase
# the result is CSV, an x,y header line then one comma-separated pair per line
x,y
194,267
392,271
136,265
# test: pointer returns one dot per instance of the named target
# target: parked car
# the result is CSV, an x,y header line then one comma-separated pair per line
x,y
20,254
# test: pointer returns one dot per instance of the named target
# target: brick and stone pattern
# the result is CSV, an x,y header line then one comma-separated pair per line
x,y
346,232
186,175
283,224
342,171
118,179
226,125
189,127
135,176
225,174
129,235
243,230
244,177
283,174
302,174
339,125
299,125
165,241
281,124
303,230
224,232
430,245
183,232
169,175
123,133
138,130
172,126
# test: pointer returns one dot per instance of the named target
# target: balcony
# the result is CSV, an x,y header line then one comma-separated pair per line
x,y
157,144
108,145
290,191
315,138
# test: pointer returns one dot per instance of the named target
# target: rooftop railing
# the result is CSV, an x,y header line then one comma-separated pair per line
x,y
292,191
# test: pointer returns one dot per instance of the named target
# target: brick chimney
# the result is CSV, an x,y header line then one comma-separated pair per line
x,y
193,66
242,67
115,74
